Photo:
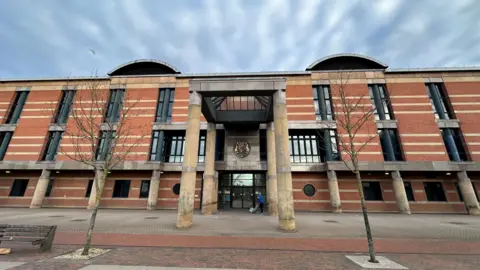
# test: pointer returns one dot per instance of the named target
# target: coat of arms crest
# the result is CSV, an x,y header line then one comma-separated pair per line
x,y
241,149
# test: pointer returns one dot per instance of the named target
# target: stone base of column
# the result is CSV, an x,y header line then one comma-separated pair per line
x,y
335,201
153,192
468,194
400,194
40,190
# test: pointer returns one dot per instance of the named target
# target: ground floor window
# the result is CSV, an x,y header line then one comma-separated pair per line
x,y
49,188
309,190
121,189
18,188
144,188
409,191
434,191
89,188
372,191
176,189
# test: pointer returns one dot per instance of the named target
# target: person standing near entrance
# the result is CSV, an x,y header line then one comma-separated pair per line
x,y
261,202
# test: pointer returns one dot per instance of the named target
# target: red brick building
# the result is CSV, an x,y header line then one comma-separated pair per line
x,y
425,159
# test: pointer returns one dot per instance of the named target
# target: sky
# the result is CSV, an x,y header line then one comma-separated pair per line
x,y
55,38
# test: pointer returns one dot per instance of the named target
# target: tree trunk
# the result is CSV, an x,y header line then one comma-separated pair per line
x,y
371,250
93,217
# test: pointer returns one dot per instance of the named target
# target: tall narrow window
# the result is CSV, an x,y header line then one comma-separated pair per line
x,y
105,144
121,189
220,145
409,191
434,191
89,188
202,146
158,145
263,144
329,146
144,188
4,142
380,102
372,191
17,107
18,188
391,148
323,102
51,148
440,102
114,107
49,187
64,107
453,140
165,105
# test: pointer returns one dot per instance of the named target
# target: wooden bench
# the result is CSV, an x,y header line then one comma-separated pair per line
x,y
35,234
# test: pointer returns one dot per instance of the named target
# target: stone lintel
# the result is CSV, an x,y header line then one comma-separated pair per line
x,y
386,124
448,123
237,84
7,127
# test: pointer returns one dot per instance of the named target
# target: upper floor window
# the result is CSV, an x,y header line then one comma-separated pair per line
x,y
4,142
105,144
51,148
220,144
165,105
439,99
330,150
453,140
170,146
114,106
17,107
313,145
391,147
322,101
64,107
380,102
263,144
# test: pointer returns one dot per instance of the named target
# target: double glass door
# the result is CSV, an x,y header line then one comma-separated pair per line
x,y
240,190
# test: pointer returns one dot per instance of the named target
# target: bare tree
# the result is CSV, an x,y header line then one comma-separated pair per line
x,y
101,133
354,115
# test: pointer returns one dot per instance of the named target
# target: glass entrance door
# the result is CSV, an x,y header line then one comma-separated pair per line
x,y
239,190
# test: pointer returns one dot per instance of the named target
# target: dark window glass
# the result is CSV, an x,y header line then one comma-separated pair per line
x,y
121,189
372,191
17,107
434,191
334,145
50,151
49,187
176,189
460,196
18,188
89,188
439,100
172,147
64,107
105,144
380,102
390,142
323,102
220,145
263,144
165,105
409,191
202,146
114,106
4,142
309,190
304,146
144,188
454,143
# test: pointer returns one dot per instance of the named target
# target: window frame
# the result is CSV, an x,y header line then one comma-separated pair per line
x,y
367,186
142,194
445,102
163,101
302,148
114,105
14,185
429,194
64,107
397,147
101,152
16,108
119,185
384,97
5,138
50,150
409,190
318,104
89,188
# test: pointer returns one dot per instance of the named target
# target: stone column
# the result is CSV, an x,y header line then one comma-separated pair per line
x,y
190,159
272,195
468,193
153,191
93,193
335,201
286,213
400,194
40,189
209,198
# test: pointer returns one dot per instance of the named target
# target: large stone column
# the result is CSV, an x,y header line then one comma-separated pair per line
x,y
335,201
190,159
286,213
209,198
93,193
40,189
272,195
468,193
400,194
153,191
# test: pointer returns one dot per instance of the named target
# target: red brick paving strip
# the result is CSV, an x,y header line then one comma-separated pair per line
x,y
412,246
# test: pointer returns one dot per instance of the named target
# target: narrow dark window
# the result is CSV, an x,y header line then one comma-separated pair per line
x,y
49,187
50,151
5,138
121,189
165,105
89,188
439,100
322,101
372,191
380,102
176,189
114,106
220,145
434,191
17,107
105,144
202,146
64,107
391,147
18,188
158,145
263,144
455,145
459,192
409,191
144,188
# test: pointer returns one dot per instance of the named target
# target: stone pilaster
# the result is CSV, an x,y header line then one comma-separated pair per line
x,y
93,194
272,195
468,193
400,194
40,189
209,198
335,201
153,191
190,158
286,214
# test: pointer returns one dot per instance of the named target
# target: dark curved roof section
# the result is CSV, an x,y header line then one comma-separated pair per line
x,y
346,61
144,67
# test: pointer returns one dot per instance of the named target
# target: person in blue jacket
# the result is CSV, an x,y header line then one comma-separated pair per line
x,y
260,202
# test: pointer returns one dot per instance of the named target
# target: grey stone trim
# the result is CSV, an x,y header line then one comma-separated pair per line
x,y
195,98
434,69
189,169
234,166
433,80
156,174
69,87
320,82
237,84
386,124
56,127
107,127
448,123
243,74
7,127
376,81
180,126
343,55
144,61
396,175
23,88
312,125
118,86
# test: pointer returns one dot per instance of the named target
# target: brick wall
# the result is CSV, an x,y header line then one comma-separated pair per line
x,y
320,201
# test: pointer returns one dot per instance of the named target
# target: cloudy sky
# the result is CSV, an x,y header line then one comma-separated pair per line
x,y
51,38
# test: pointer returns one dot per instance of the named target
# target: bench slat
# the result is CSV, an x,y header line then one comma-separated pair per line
x,y
22,239
43,234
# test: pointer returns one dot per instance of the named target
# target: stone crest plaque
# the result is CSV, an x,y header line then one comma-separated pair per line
x,y
241,149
